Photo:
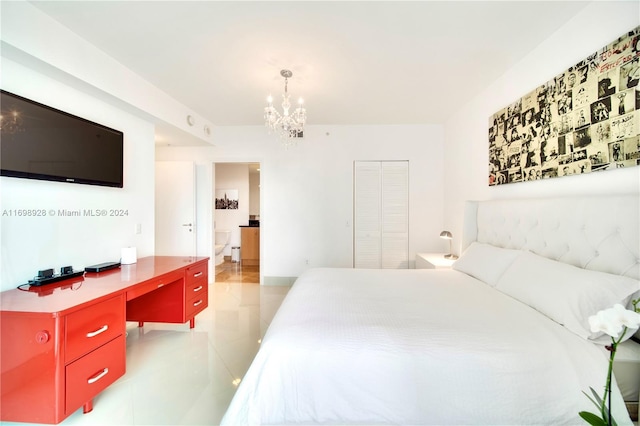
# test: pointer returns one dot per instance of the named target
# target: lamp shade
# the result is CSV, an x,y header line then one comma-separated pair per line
x,y
446,235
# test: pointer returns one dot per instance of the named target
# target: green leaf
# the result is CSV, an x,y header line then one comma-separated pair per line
x,y
592,419
597,397
599,406
599,403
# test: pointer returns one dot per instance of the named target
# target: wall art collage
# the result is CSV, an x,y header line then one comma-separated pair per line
x,y
584,120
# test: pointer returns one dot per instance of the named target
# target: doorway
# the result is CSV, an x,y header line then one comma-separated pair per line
x,y
236,221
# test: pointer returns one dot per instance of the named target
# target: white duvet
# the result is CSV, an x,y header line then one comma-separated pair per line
x,y
412,347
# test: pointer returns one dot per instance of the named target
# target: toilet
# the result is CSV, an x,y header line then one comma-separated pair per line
x,y
222,241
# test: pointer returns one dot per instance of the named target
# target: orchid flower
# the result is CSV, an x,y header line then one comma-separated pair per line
x,y
613,322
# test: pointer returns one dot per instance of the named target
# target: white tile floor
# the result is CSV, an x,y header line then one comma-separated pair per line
x,y
179,376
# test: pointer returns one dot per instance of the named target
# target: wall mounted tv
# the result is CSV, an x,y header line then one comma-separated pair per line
x,y
40,142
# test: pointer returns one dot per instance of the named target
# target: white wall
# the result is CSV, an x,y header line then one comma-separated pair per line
x,y
466,132
33,243
45,61
254,194
232,176
307,191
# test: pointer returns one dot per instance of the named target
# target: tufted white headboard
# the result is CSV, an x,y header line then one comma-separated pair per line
x,y
600,233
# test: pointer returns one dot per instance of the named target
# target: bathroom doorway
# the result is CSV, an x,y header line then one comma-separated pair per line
x,y
236,221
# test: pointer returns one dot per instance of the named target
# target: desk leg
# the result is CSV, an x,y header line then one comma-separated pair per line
x,y
87,407
192,322
140,323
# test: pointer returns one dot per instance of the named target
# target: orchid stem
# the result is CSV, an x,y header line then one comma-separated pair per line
x,y
607,389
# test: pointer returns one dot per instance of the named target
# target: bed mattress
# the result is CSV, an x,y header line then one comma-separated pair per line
x,y
351,346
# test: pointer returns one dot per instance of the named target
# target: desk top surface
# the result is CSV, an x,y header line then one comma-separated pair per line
x,y
69,294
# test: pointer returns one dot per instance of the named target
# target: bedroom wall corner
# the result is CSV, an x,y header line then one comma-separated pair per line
x,y
466,131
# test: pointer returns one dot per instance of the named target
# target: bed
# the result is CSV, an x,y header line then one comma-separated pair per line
x,y
499,339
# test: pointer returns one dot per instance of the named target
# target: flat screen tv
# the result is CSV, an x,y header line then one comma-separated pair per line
x,y
40,142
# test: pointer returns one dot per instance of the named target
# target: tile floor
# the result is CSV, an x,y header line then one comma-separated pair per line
x,y
179,376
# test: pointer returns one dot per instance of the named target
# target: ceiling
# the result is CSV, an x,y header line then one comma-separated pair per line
x,y
356,63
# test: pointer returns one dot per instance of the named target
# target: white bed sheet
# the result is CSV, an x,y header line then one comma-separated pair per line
x,y
351,346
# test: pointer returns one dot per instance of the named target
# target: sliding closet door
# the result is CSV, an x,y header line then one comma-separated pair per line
x,y
381,214
367,222
395,215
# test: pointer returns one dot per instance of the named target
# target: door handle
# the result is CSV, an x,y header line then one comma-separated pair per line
x,y
189,225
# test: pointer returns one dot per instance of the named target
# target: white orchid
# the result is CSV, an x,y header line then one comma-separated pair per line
x,y
613,320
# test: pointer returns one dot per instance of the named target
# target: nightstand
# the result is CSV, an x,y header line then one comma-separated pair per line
x,y
433,261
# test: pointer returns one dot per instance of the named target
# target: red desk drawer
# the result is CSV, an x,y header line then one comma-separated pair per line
x,y
195,289
91,374
197,303
154,284
93,326
197,273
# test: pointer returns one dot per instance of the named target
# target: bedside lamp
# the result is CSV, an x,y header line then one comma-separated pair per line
x,y
446,235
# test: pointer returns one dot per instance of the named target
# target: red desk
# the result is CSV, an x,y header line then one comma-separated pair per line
x,y
64,343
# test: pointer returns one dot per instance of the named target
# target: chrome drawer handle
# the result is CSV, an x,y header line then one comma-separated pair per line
x,y
99,376
197,275
197,303
197,288
100,330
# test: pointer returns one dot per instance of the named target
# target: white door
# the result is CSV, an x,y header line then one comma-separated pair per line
x,y
175,208
367,214
381,214
395,214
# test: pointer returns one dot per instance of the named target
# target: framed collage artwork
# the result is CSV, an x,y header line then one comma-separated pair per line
x,y
584,120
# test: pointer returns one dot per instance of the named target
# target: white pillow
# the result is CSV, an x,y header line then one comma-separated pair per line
x,y
485,262
567,294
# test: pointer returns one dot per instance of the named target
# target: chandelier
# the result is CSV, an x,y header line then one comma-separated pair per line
x,y
287,126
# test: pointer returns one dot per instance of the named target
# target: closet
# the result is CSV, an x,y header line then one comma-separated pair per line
x,y
381,214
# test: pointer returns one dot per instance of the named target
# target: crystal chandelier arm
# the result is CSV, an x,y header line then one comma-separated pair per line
x,y
271,116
